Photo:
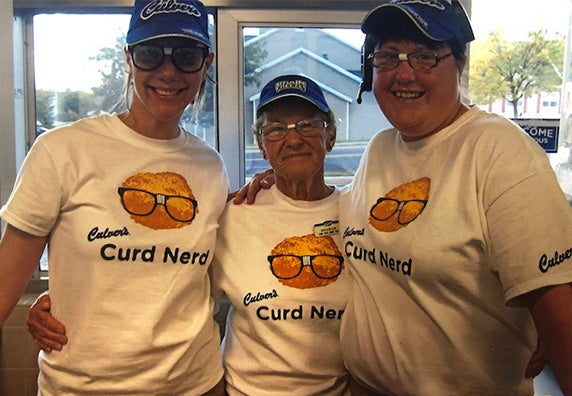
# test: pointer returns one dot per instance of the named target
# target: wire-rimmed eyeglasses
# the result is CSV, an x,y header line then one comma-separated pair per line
x,y
408,210
289,266
186,59
142,203
385,60
276,131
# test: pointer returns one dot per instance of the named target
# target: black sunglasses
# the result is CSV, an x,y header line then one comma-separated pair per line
x,y
186,59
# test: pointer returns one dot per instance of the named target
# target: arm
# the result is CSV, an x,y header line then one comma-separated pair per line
x,y
46,330
551,309
20,253
248,191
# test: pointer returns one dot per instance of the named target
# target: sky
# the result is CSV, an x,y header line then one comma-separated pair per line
x,y
64,43
518,17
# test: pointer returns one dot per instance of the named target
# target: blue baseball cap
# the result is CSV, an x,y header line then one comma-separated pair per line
x,y
292,85
168,18
439,20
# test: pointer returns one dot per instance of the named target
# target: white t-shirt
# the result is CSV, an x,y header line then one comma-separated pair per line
x,y
282,335
439,234
128,256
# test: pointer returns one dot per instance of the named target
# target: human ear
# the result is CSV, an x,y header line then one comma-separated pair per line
x,y
331,141
261,148
128,60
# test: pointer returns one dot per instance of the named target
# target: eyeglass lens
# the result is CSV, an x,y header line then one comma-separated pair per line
x,y
408,210
143,203
278,131
417,60
186,59
290,266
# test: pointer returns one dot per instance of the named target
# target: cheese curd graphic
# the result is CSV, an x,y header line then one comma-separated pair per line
x,y
400,206
159,200
306,261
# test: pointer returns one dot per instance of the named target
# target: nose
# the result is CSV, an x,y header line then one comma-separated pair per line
x,y
167,66
405,73
293,137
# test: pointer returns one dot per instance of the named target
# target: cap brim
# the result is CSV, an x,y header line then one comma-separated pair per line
x,y
320,106
202,41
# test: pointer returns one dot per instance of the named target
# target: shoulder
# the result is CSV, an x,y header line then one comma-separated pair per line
x,y
493,135
76,129
385,135
254,215
380,140
200,146
491,125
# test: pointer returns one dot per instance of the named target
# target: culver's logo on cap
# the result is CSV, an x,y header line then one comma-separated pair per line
x,y
293,84
168,7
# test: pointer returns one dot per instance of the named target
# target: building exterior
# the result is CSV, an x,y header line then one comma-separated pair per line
x,y
327,59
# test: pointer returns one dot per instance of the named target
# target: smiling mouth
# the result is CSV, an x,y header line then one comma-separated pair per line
x,y
167,92
408,95
295,156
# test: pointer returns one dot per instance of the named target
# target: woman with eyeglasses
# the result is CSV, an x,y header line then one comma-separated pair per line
x,y
470,230
127,205
280,262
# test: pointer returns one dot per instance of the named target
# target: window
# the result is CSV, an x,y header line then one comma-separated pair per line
x,y
80,71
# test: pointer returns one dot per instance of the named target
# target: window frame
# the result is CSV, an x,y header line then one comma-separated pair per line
x,y
230,68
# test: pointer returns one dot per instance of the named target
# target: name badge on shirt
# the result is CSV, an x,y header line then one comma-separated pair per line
x,y
328,227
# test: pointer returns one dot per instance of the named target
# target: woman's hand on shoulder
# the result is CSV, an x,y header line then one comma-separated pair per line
x,y
248,192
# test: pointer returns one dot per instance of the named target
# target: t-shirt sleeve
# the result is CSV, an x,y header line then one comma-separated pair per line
x,y
35,202
530,227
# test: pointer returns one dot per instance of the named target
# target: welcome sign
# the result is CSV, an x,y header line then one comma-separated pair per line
x,y
543,131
